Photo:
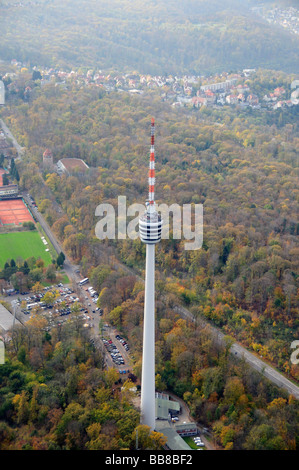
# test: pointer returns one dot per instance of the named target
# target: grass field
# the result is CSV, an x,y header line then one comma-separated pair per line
x,y
24,244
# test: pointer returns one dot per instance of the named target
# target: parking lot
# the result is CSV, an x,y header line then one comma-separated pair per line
x,y
59,310
58,306
118,350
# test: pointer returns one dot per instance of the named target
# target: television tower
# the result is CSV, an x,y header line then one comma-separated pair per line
x,y
150,227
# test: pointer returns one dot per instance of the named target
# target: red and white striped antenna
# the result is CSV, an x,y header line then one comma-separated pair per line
x,y
151,173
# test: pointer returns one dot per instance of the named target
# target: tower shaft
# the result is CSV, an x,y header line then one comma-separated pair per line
x,y
148,358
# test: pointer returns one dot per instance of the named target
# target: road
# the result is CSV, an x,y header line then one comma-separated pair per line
x,y
266,370
19,149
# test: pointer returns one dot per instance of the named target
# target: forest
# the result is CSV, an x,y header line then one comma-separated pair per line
x,y
220,34
242,165
56,395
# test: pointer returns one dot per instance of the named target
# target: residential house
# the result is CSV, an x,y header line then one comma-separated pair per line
x,y
252,100
199,101
279,91
232,99
210,97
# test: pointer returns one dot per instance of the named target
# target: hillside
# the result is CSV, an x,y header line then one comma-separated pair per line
x,y
151,37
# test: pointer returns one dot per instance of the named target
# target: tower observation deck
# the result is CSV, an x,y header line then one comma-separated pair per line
x,y
150,227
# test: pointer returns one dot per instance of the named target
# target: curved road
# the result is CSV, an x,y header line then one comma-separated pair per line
x,y
19,149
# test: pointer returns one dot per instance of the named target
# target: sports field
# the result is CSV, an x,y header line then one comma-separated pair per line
x,y
14,212
24,244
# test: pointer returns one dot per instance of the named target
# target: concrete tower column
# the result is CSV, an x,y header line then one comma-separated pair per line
x,y
148,358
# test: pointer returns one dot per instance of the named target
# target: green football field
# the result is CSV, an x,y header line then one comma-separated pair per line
x,y
24,244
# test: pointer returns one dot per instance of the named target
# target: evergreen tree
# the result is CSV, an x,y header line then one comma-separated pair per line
x,y
36,75
25,268
12,166
60,259
5,179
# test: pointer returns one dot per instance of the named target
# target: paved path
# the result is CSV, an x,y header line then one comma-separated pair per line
x,y
19,149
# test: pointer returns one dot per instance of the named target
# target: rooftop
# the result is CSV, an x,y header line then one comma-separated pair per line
x,y
72,164
163,405
174,441
6,319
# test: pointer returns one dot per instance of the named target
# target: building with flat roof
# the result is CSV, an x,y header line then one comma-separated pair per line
x,y
6,320
71,166
186,429
174,440
9,190
165,406
2,93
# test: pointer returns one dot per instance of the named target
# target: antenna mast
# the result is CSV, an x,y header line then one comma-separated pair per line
x,y
151,173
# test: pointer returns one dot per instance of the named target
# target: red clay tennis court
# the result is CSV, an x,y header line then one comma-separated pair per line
x,y
14,211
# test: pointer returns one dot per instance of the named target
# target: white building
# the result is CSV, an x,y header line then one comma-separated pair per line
x,y
9,190
2,93
219,86
71,166
6,320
